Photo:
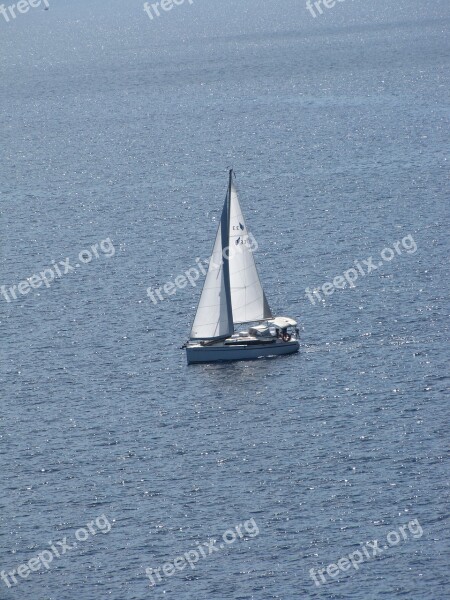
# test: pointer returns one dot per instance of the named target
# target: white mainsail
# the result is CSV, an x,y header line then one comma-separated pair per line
x,y
214,318
248,300
232,292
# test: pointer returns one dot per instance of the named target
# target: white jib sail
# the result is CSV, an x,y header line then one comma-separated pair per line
x,y
248,300
214,318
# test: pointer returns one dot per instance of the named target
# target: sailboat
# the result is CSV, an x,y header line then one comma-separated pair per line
x,y
233,297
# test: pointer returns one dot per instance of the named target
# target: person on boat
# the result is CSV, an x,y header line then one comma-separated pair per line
x,y
285,335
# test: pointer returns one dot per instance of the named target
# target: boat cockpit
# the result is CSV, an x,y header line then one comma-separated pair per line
x,y
280,329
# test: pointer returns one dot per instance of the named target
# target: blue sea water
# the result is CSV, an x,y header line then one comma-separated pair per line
x,y
116,130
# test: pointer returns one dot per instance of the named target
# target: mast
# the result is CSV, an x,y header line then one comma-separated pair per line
x,y
226,250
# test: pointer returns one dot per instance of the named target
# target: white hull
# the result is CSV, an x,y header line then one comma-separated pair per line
x,y
221,352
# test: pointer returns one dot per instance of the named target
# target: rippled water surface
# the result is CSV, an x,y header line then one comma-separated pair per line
x,y
116,127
